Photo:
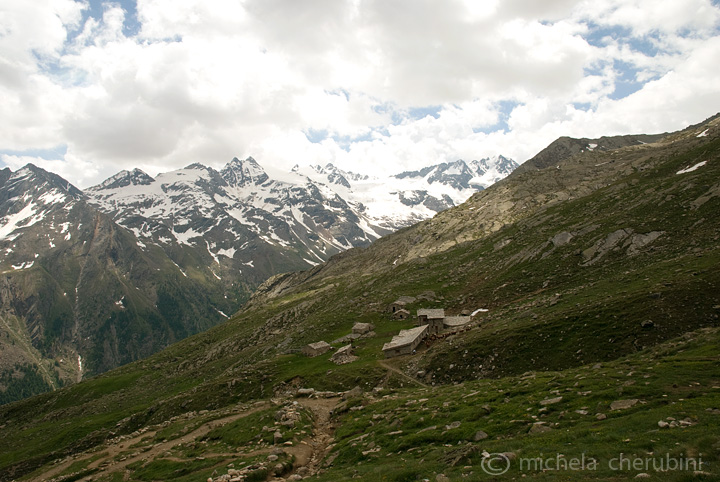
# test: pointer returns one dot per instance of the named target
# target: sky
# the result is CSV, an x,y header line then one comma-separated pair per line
x,y
90,87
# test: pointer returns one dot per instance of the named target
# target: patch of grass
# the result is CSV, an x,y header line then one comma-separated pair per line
x,y
163,469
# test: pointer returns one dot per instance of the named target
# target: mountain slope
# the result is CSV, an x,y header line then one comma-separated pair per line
x,y
79,296
601,279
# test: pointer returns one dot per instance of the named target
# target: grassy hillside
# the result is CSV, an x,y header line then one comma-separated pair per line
x,y
600,276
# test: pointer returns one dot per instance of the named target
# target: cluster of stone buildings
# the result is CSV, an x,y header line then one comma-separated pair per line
x,y
344,354
431,322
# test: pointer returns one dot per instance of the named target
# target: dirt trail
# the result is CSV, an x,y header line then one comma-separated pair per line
x,y
311,452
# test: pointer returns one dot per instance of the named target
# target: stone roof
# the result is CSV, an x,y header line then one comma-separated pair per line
x,y
432,314
319,345
344,350
405,337
456,320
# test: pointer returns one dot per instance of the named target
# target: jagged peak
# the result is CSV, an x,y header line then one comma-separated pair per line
x,y
136,177
241,172
197,166
37,175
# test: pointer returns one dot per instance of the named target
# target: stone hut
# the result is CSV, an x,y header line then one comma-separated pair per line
x,y
434,319
316,349
362,328
401,314
343,355
405,342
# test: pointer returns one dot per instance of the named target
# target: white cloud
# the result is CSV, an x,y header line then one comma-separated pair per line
x,y
648,16
208,81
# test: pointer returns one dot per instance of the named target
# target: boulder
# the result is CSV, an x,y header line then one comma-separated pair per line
x,y
623,404
480,435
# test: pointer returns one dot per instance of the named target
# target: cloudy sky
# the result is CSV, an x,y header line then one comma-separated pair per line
x,y
89,87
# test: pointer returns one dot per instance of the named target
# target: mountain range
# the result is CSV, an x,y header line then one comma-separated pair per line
x,y
98,278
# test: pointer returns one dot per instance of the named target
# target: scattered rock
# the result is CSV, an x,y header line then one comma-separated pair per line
x,y
305,392
432,427
623,404
550,401
642,475
277,437
647,324
453,425
354,393
638,241
561,239
539,427
663,424
480,435
442,478
600,416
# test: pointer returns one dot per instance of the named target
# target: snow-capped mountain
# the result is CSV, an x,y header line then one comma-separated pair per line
x,y
246,215
245,222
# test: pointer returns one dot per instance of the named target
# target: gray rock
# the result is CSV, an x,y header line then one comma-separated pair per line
x,y
539,427
442,478
305,392
623,404
600,416
355,392
638,241
550,401
561,239
480,435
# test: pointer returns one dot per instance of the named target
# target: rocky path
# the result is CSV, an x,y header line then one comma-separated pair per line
x,y
311,452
